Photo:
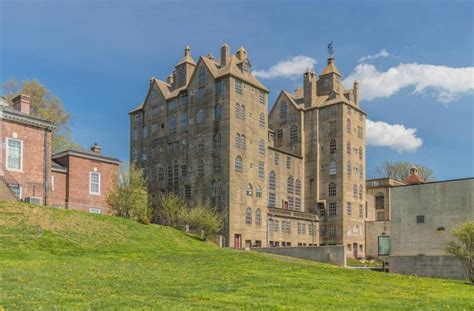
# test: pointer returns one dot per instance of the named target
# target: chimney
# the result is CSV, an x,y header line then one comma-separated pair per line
x,y
356,92
309,88
170,79
96,148
21,103
225,55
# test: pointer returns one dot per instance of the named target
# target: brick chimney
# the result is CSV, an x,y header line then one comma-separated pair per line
x,y
225,55
21,103
96,148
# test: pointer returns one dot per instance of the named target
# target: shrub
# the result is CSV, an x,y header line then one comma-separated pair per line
x,y
172,211
463,248
130,198
204,218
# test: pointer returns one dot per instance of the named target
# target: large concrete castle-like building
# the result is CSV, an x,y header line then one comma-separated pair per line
x,y
291,176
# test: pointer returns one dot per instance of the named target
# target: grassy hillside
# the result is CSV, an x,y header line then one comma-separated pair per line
x,y
71,260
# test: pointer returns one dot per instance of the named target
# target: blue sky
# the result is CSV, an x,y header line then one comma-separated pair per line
x,y
98,55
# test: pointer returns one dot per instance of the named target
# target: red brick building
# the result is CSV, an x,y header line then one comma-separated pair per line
x,y
73,179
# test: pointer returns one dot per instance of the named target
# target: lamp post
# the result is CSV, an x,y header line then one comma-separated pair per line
x,y
269,222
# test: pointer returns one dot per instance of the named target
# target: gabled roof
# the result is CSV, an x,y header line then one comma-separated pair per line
x,y
414,179
139,107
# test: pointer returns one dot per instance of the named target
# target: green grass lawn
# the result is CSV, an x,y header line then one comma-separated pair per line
x,y
58,259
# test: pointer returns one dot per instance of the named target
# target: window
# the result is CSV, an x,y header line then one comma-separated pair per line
x,y
17,191
361,171
201,92
332,147
322,230
258,217
276,225
298,187
348,148
144,154
349,169
361,211
420,219
322,210
288,162
217,112
380,216
311,230
184,170
261,147
290,185
172,125
246,67
348,126
238,86
144,132
216,164
135,133
187,192
280,135
332,189
94,210
332,110
361,192
277,158
217,142
242,112
202,75
261,170
14,154
170,176
349,208
332,230
332,168
258,192
272,188
298,203
283,112
237,140
175,175
200,117
379,201
249,190
354,191
361,155
248,216
237,111
291,202
172,105
200,168
218,87
243,142
261,98
238,164
183,119
161,174
94,183
332,127
261,120
184,101
332,209
359,131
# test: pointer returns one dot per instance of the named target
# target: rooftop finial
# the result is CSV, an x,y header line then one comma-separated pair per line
x,y
330,49
187,50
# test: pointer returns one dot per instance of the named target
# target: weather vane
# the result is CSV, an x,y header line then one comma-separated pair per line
x,y
330,49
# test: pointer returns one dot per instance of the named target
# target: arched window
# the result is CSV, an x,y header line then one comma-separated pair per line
x,y
200,117
261,120
349,148
258,217
258,192
297,187
348,126
242,113
170,176
217,112
332,168
293,134
200,168
332,189
379,200
237,111
291,185
238,164
216,164
217,141
175,175
349,168
249,190
172,125
361,155
361,192
283,112
183,119
272,181
261,147
355,191
248,216
161,174
332,147
243,142
237,140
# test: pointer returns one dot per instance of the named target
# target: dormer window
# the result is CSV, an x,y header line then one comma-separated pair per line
x,y
246,67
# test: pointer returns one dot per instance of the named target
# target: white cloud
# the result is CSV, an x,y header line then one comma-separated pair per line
x,y
290,68
447,83
382,54
394,136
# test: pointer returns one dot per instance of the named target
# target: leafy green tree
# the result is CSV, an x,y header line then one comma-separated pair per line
x,y
172,211
204,218
44,104
400,170
463,248
130,198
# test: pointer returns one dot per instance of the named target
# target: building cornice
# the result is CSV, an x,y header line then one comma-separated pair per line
x,y
86,155
16,116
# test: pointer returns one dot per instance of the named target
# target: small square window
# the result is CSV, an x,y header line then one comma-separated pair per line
x,y
420,219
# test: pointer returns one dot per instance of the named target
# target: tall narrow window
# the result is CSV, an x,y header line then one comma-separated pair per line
x,y
170,176
355,191
272,181
348,148
288,162
332,168
202,75
217,142
261,170
361,155
277,158
361,192
349,168
261,120
272,188
243,142
361,171
249,190
200,168
238,164
332,209
218,87
200,117
216,164
258,192
261,98
293,134
94,183
237,111
183,119
161,174
14,154
217,112
237,140
332,147
283,112
175,175
238,86
332,127
172,125
258,217
261,147
349,208
242,112
144,132
290,185
248,216
332,189
297,187
348,126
